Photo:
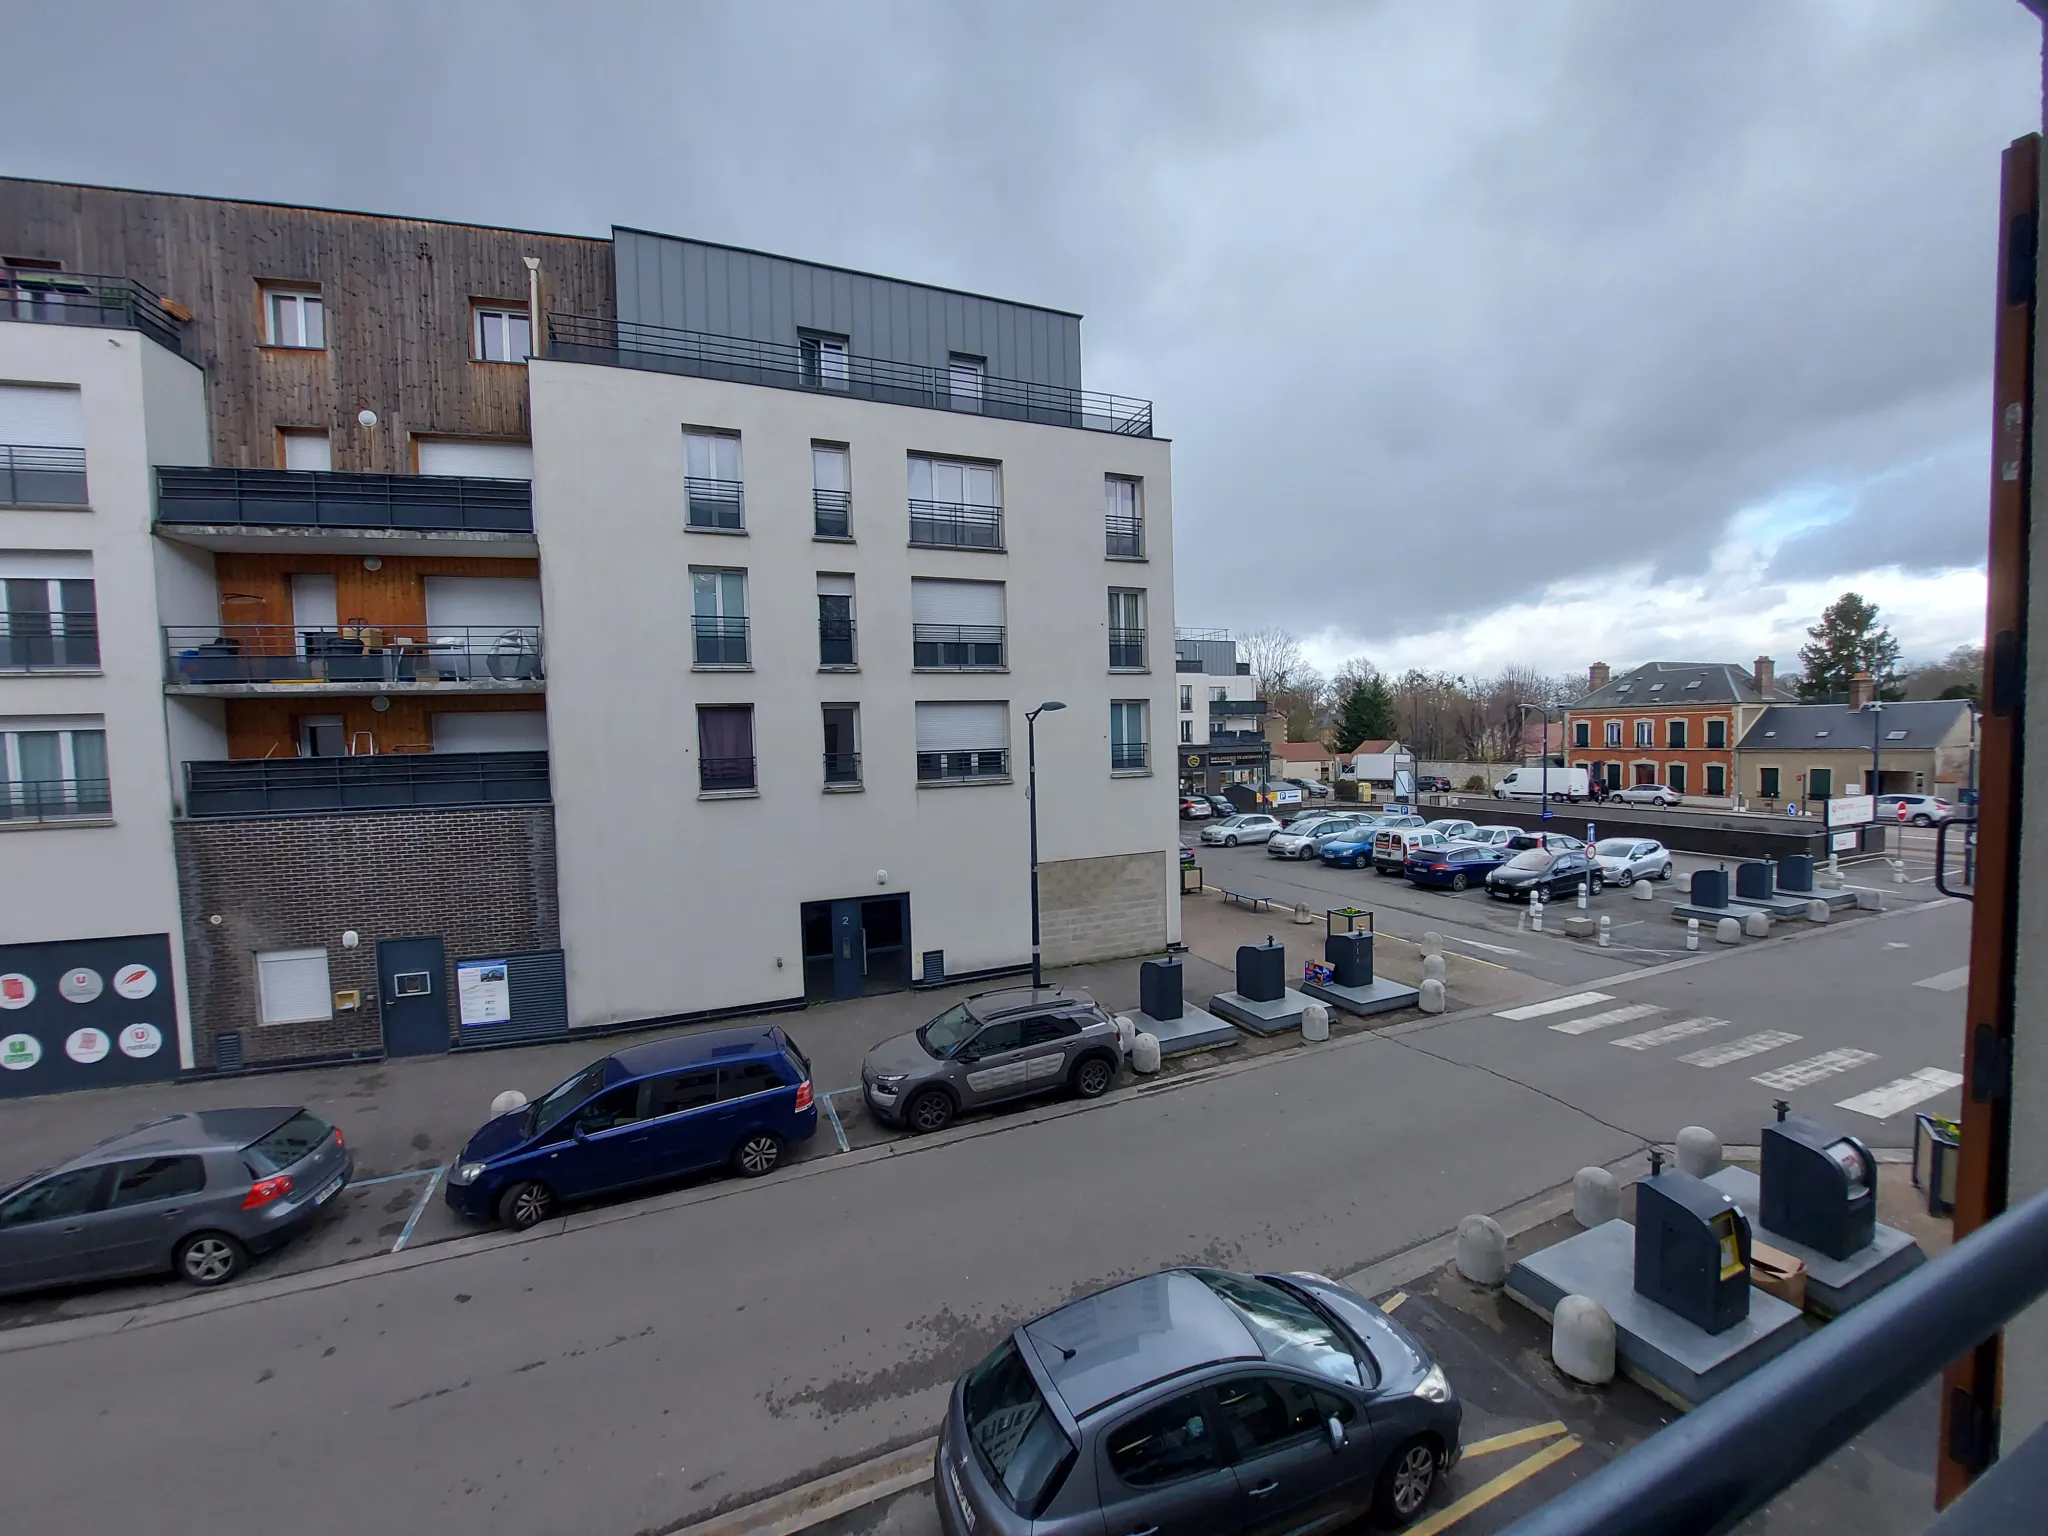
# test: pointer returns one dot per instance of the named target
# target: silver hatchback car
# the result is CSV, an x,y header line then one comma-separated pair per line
x,y
196,1194
994,1046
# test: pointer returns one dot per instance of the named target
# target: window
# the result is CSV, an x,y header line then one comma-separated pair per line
x,y
1187,698
718,618
725,748
277,1150
1656,687
1646,733
1187,732
42,445
962,742
955,504
1126,630
1127,736
608,1111
1266,1411
504,334
1717,779
965,376
831,492
156,1178
711,480
957,625
61,1194
1018,1442
292,986
293,317
674,1095
1003,1035
1767,783
1171,1442
1045,1031
305,449
1675,776
1675,729
748,1078
48,615
1894,735
835,620
1820,783
1717,733
842,745
1123,518
480,458
48,775
1289,1330
1582,733
1219,695
824,360
1614,733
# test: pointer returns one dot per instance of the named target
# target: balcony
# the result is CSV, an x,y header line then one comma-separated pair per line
x,y
832,514
1125,538
46,800
701,354
1127,757
352,659
49,642
962,766
1239,708
79,298
724,775
399,781
955,525
321,511
41,477
842,768
835,643
718,642
957,647
1223,738
1127,650
718,505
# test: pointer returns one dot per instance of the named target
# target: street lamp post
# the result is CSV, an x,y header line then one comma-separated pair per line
x,y
1031,795
1876,729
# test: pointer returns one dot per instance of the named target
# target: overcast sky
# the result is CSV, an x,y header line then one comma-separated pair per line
x,y
1484,332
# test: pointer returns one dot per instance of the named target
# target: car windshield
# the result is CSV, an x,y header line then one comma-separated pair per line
x,y
1615,847
1531,858
1018,1442
943,1035
297,1137
1289,1332
549,1108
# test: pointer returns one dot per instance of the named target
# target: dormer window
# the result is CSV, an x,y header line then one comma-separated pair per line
x,y
1818,734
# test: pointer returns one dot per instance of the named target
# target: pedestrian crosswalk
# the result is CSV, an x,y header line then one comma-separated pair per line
x,y
1804,1074
1626,1014
1735,1050
1664,1034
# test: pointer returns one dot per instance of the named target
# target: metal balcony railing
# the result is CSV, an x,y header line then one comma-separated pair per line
x,y
1127,756
957,647
41,477
81,298
197,655
55,799
979,763
1240,707
835,643
1224,738
715,503
1127,649
702,354
307,498
842,767
717,775
718,642
49,642
832,514
397,781
955,525
1125,537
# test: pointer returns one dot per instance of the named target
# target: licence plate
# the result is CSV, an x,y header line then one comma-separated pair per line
x,y
329,1192
967,1514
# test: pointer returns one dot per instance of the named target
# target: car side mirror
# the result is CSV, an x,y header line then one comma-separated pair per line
x,y
1338,1439
579,1132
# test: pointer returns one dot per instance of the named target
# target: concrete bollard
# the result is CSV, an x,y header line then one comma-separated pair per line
x,y
1432,943
1757,925
1433,967
1582,895
508,1101
1432,999
1482,1250
1899,873
1642,890
1605,923
1818,911
1536,911
1582,1340
1869,901
1728,931
1126,1032
1145,1053
1596,1197
1699,1152
1315,1023
1692,933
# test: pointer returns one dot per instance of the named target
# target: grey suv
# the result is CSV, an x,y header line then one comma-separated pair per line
x,y
994,1046
192,1193
1195,1401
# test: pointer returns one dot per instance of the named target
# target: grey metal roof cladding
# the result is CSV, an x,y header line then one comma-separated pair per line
x,y
1926,724
1698,682
1134,1334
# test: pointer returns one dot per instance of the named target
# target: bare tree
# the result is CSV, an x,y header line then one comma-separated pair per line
x,y
1276,660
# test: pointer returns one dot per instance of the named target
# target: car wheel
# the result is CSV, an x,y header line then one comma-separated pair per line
x,y
1627,879
1307,852
1665,872
1092,1077
525,1204
1923,821
930,1111
1230,840
1406,1482
1459,882
1594,885
210,1258
757,1155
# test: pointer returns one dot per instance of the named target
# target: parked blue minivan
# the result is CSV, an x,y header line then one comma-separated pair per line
x,y
734,1097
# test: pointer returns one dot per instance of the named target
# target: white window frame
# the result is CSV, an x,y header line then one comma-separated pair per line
x,y
966,381
825,361
1187,733
291,316
499,319
11,773
1613,734
59,617
281,957
1121,711
1646,733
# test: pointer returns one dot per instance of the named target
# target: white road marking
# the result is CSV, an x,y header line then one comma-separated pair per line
x,y
1883,1103
1491,949
1554,1005
1735,1050
832,1115
1802,1074
1896,944
1947,981
1664,1034
420,1209
1627,1013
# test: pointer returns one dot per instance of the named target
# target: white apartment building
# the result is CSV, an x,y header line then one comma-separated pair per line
x,y
1221,737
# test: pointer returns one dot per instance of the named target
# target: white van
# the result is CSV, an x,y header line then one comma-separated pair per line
x,y
1530,784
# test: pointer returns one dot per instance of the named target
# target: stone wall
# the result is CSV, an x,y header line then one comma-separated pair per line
x,y
1100,909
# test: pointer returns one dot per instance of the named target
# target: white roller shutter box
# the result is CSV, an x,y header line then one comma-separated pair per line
x,y
37,416
483,602
962,727
308,450
294,986
489,461
957,602
45,564
835,586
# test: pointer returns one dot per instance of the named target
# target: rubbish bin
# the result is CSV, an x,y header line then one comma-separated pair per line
x,y
1936,1145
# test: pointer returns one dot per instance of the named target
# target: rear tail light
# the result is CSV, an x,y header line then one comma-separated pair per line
x,y
1442,869
263,1191
337,1137
803,1094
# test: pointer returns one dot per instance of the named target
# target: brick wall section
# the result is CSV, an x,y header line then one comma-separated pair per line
x,y
482,879
1100,909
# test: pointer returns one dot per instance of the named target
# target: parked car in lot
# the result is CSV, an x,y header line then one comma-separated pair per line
x,y
994,1046
1434,783
1535,783
1348,850
1524,839
1187,857
1180,1402
1303,837
1496,836
1645,794
1196,808
194,1193
1920,810
1625,860
1250,827
1316,788
1221,805
1392,847
725,1097
1456,831
1555,871
1456,868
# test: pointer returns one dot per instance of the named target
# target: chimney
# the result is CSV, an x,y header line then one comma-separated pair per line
x,y
1861,691
1597,676
1766,678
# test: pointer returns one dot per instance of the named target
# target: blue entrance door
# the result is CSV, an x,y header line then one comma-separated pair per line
x,y
411,977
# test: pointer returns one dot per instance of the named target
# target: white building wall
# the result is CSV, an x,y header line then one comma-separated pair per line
x,y
672,904
142,406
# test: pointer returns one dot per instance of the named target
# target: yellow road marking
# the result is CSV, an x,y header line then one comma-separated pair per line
x,y
1393,1301
1515,1437
1486,1493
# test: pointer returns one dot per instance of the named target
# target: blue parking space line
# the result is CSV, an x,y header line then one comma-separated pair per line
x,y
838,1130
419,1209
390,1178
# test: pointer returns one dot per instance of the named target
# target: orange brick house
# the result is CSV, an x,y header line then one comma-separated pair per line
x,y
1669,722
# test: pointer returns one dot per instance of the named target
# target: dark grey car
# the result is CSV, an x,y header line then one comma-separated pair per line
x,y
1192,1402
992,1047
193,1193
